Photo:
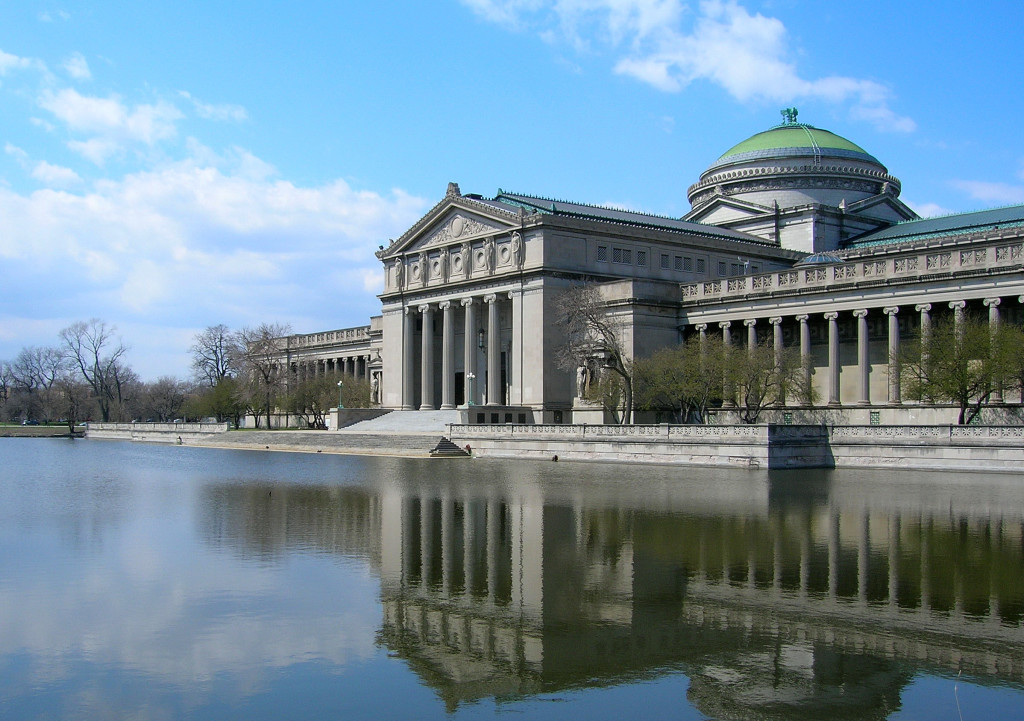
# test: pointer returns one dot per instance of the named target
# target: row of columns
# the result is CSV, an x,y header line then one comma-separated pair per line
x,y
351,365
863,346
492,333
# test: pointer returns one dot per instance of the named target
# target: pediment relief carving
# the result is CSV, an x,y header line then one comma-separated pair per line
x,y
456,227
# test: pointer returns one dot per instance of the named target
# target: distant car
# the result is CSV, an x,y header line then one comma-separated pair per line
x,y
29,423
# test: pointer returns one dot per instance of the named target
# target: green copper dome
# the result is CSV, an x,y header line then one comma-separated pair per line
x,y
797,135
791,140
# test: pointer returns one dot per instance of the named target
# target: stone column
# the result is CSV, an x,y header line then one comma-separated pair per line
x,y
447,356
702,332
469,350
777,346
366,368
427,359
863,356
895,396
993,327
493,351
958,314
805,357
408,353
728,399
833,358
751,324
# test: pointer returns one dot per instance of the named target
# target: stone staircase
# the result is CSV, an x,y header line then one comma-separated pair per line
x,y
446,449
428,422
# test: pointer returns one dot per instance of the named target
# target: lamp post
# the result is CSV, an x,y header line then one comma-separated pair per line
x,y
471,377
340,405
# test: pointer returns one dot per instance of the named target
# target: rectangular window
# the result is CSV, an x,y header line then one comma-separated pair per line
x,y
641,258
701,265
664,261
723,269
602,254
736,269
616,255
627,256
679,262
688,264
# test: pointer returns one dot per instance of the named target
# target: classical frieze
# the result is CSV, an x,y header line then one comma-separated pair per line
x,y
457,227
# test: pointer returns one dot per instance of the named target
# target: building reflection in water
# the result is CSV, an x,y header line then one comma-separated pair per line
x,y
790,595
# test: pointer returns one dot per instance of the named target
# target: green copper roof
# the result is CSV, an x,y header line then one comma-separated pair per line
x,y
793,135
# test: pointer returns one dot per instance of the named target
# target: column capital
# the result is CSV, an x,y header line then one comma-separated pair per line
x,y
444,304
958,304
701,327
725,324
425,307
992,302
410,310
775,320
750,322
860,313
831,315
803,318
891,309
467,301
923,307
491,298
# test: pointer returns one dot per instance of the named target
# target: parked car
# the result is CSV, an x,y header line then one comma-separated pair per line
x,y
28,422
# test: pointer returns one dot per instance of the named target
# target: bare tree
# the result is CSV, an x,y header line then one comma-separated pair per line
x,y
92,348
761,376
212,357
260,350
164,398
592,335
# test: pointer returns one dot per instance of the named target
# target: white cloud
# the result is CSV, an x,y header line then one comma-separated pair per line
x,y
928,210
113,124
55,175
47,17
10,62
668,45
191,244
222,112
992,193
77,67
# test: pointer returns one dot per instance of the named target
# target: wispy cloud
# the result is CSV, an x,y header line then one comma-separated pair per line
x,y
222,111
669,45
78,67
990,192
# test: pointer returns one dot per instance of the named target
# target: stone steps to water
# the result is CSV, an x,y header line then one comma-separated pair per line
x,y
446,449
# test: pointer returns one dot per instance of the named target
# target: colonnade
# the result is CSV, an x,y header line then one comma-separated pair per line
x,y
357,366
923,319
481,326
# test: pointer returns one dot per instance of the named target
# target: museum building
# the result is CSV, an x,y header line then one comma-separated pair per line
x,y
796,236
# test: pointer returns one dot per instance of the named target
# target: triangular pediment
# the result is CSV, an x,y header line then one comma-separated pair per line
x,y
724,210
454,220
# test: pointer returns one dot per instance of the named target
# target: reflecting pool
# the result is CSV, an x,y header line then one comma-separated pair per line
x,y
152,582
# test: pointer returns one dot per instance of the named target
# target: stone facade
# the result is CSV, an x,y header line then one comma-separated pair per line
x,y
471,299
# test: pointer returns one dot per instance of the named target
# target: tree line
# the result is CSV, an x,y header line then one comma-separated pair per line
x,y
961,361
86,376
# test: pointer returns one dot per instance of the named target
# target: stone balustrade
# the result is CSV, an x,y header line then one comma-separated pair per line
x,y
996,254
329,338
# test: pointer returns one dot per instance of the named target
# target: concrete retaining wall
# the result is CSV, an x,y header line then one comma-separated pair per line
x,y
153,432
973,448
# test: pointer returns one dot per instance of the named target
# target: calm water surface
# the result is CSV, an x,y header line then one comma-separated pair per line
x,y
148,582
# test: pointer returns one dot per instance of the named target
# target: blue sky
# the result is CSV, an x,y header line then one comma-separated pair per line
x,y
167,166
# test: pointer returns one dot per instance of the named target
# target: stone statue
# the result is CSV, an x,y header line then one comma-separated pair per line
x,y
465,252
444,265
581,381
489,254
399,273
375,388
517,250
